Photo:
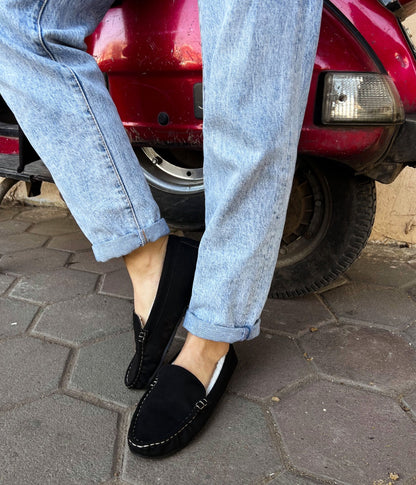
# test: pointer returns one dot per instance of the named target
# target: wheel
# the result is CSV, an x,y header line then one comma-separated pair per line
x,y
330,217
5,186
176,181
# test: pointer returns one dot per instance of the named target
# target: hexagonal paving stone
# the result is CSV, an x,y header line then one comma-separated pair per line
x,y
55,227
235,447
392,253
410,331
87,262
85,318
374,270
13,227
118,284
20,242
30,368
57,440
287,478
58,285
346,434
33,261
412,292
267,364
367,355
100,370
73,242
294,316
116,482
15,316
410,400
5,282
376,304
340,281
38,214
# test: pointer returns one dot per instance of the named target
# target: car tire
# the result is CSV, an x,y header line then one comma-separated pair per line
x,y
330,217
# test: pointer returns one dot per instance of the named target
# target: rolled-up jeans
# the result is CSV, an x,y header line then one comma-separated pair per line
x,y
258,57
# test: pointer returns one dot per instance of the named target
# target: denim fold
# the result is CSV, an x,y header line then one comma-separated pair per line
x,y
60,99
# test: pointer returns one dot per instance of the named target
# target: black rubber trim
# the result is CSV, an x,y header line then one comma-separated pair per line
x,y
351,27
409,42
403,148
198,101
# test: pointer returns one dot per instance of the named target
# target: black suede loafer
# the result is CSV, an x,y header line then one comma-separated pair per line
x,y
172,299
175,408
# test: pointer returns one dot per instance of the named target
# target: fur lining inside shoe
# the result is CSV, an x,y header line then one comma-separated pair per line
x,y
216,373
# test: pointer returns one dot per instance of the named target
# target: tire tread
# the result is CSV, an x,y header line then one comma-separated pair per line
x,y
360,232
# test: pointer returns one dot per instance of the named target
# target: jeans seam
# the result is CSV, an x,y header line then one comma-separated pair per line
x,y
141,232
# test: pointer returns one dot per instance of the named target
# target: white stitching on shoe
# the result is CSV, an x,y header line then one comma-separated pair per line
x,y
196,409
167,439
141,358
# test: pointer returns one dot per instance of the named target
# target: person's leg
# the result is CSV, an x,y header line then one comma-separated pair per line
x,y
258,59
60,99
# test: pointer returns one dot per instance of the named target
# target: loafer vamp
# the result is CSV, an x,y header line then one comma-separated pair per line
x,y
167,407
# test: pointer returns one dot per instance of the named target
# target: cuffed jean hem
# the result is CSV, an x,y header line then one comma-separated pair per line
x,y
219,333
126,244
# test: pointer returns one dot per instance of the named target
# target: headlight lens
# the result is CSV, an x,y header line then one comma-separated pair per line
x,y
360,98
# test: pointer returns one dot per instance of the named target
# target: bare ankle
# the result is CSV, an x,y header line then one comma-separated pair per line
x,y
200,356
144,266
200,349
145,258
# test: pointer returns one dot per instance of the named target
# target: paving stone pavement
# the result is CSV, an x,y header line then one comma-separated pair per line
x,y
326,393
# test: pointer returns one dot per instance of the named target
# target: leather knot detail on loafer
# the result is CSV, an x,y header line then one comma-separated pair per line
x,y
171,301
175,408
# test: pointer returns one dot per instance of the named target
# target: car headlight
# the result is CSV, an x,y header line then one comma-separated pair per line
x,y
360,98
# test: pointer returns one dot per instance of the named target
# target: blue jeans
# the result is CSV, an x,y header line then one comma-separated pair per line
x,y
258,58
